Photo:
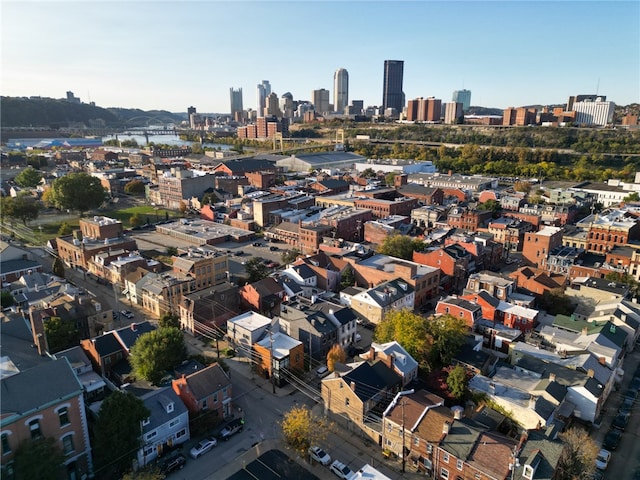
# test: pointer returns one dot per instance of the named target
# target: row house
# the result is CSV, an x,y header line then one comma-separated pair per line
x,y
93,386
160,293
396,358
538,245
375,303
467,219
624,315
401,418
460,308
373,270
327,269
532,218
425,195
454,261
309,237
381,208
209,308
357,398
537,281
263,296
555,215
206,390
46,401
114,265
486,252
509,232
246,329
77,251
203,266
562,258
615,228
497,286
497,337
347,223
166,427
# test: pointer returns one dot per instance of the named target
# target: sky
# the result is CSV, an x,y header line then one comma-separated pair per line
x,y
168,55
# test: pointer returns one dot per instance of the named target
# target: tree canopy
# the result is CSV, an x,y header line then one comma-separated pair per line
x,y
61,334
170,320
40,458
301,428
347,277
556,302
578,459
445,336
335,355
457,382
117,431
58,267
156,352
23,207
256,269
28,178
78,191
134,187
289,256
400,246
405,327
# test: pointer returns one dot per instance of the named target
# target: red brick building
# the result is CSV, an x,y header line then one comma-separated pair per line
x,y
537,245
460,308
263,296
208,389
385,208
467,219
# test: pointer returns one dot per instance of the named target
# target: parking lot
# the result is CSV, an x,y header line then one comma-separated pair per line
x,y
273,464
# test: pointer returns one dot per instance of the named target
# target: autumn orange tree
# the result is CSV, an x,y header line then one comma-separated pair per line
x,y
335,355
301,428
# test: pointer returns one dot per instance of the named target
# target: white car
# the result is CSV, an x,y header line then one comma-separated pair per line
x,y
319,455
341,470
602,460
322,371
203,447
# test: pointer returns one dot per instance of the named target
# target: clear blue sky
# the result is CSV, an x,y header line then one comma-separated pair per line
x,y
172,54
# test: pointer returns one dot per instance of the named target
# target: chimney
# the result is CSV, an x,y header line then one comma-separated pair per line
x,y
133,327
590,373
353,386
391,361
446,427
552,377
585,330
532,401
372,353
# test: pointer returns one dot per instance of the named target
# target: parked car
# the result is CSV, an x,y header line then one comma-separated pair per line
x,y
322,371
203,447
273,249
173,463
127,313
257,244
602,460
233,427
621,420
341,470
626,405
319,455
612,439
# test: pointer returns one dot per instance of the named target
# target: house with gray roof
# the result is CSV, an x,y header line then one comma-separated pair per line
x,y
92,384
375,303
166,427
396,358
206,390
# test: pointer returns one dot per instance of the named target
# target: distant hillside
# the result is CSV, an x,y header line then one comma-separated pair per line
x,y
484,111
56,113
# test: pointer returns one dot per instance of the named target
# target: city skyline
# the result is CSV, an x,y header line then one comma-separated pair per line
x,y
126,55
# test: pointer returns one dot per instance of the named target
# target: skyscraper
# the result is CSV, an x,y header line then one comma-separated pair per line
x,y
264,90
340,90
392,94
463,97
236,101
320,99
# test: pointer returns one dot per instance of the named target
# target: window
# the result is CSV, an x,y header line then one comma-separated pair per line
x,y
388,442
444,473
445,457
389,427
34,427
150,435
477,476
67,444
63,415
429,448
459,464
6,448
173,423
181,433
416,441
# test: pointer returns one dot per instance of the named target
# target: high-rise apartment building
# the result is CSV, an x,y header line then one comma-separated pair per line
x,y
263,91
272,106
453,113
434,110
320,99
392,94
594,112
424,109
462,96
236,101
340,90
581,98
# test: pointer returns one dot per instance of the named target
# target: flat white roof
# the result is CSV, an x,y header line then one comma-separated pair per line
x,y
282,344
251,321
369,473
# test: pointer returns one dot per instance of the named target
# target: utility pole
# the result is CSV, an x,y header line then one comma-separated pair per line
x,y
404,460
273,361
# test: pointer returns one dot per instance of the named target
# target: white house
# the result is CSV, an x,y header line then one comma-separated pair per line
x,y
246,329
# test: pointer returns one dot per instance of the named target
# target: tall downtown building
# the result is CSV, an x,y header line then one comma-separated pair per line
x,y
463,97
263,91
340,90
392,94
320,100
236,101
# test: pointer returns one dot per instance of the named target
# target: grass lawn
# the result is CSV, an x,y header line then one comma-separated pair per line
x,y
146,212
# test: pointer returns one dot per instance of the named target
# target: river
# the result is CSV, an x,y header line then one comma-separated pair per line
x,y
161,140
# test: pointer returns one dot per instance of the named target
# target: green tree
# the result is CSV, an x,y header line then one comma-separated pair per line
x,y
407,328
457,382
156,352
169,320
58,267
491,206
78,191
632,197
578,459
347,277
40,458
400,246
335,355
172,251
117,433
135,220
23,207
556,302
134,187
301,428
61,334
445,336
389,178
28,178
256,269
625,279
65,229
6,299
368,173
289,256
